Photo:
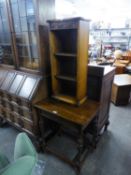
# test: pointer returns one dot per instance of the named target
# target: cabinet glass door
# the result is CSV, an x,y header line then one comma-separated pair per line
x,y
6,56
25,32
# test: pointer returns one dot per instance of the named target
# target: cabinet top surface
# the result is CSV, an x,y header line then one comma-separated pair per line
x,y
122,80
100,70
68,19
81,115
108,69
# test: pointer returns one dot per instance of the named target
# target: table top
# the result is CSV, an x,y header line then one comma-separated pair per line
x,y
81,115
122,80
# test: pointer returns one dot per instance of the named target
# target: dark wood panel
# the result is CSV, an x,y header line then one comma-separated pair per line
x,y
100,81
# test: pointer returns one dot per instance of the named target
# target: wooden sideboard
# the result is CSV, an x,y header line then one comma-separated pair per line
x,y
19,92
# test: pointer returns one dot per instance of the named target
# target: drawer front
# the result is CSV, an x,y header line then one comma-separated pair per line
x,y
26,104
64,25
16,100
1,110
26,113
6,96
28,125
60,120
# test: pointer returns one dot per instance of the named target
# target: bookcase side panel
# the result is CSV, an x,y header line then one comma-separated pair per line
x,y
82,59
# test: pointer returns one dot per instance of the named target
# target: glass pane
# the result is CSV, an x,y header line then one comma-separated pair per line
x,y
24,24
3,12
6,54
30,63
1,29
22,38
33,39
27,87
30,8
7,49
7,81
22,8
31,23
1,37
5,36
16,19
5,26
8,59
3,17
13,1
34,52
1,54
23,51
17,25
25,62
16,83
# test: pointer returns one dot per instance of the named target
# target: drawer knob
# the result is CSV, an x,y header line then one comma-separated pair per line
x,y
54,112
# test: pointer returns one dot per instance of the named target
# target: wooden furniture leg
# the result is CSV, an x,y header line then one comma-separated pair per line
x,y
106,125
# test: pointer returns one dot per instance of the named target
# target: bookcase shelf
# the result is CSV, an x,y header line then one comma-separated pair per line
x,y
68,78
65,98
69,57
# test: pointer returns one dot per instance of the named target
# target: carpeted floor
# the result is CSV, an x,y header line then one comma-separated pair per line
x,y
112,156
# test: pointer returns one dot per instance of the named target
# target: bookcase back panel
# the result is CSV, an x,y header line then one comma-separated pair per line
x,y
67,66
67,88
66,40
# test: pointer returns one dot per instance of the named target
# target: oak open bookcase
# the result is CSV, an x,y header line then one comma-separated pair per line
x,y
69,56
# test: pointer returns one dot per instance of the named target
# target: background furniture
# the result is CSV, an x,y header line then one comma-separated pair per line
x,y
123,63
121,89
25,157
69,56
18,93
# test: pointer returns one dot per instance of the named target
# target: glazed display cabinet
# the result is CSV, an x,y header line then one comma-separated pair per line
x,y
6,49
25,31
24,34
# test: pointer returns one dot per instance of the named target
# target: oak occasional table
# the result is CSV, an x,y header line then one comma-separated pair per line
x,y
78,117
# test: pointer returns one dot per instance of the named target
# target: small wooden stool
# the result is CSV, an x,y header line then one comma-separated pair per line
x,y
121,89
